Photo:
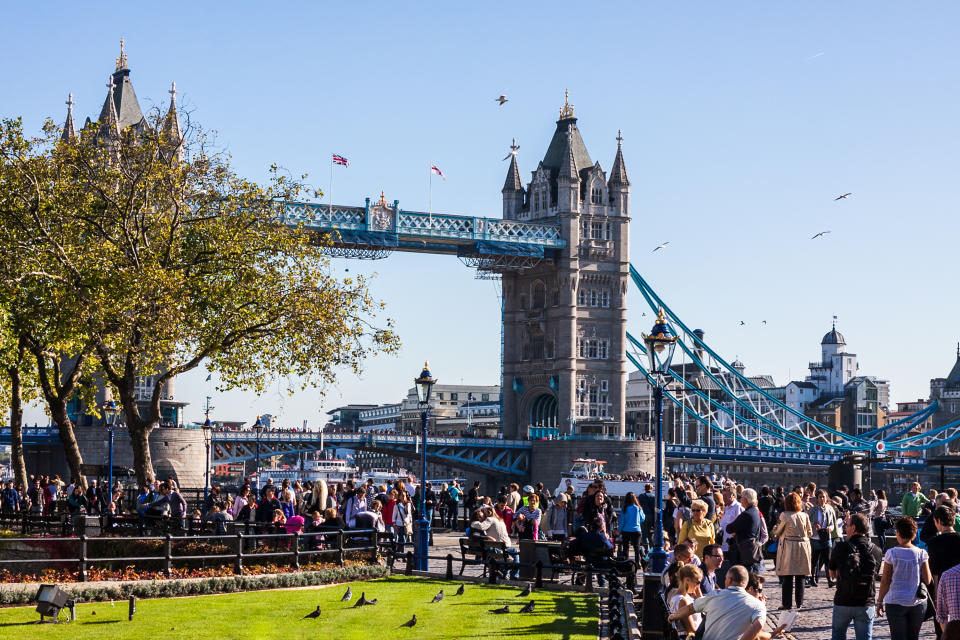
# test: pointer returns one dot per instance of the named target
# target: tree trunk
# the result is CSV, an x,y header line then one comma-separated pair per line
x,y
71,450
140,441
16,429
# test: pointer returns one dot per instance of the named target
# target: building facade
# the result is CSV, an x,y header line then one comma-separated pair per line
x,y
564,324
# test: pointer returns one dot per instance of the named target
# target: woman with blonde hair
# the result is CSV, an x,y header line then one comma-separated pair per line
x,y
698,527
688,589
793,549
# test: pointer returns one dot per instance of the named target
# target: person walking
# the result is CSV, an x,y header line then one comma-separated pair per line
x,y
824,521
631,526
747,531
647,503
793,550
903,584
854,564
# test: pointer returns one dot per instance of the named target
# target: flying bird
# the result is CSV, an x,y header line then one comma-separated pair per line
x,y
661,246
347,595
843,197
764,322
501,99
313,614
438,597
411,622
528,608
504,609
742,323
460,590
526,591
819,235
362,601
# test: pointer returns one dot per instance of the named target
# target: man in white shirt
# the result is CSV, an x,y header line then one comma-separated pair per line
x,y
731,613
731,509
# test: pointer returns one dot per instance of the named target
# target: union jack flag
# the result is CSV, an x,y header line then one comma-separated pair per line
x,y
436,170
338,159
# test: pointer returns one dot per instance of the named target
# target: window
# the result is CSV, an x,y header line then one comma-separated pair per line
x,y
596,230
440,396
485,397
594,297
596,195
454,396
523,303
593,348
538,299
592,399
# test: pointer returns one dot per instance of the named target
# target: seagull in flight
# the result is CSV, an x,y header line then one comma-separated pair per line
x,y
662,245
764,322
843,197
513,149
742,323
819,235
501,99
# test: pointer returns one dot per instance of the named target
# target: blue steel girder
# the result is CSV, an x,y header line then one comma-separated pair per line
x,y
510,457
387,227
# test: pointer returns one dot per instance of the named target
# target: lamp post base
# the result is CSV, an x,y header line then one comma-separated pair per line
x,y
658,560
421,544
652,620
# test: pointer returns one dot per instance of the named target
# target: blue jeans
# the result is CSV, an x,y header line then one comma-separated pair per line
x,y
862,618
514,554
905,622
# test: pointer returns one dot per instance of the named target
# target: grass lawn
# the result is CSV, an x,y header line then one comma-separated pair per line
x,y
278,615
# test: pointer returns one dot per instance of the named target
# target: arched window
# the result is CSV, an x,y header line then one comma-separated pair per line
x,y
539,297
523,303
596,195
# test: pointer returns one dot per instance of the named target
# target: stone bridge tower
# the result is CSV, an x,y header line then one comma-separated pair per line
x,y
564,322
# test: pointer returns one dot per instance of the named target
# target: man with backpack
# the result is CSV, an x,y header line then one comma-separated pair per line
x,y
854,565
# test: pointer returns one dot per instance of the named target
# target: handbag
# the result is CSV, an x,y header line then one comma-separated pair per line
x,y
923,593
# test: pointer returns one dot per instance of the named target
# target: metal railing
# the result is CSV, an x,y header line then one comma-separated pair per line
x,y
244,548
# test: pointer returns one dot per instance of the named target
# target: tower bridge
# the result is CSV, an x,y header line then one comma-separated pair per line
x,y
561,251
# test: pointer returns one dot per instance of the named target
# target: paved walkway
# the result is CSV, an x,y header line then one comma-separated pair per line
x,y
814,621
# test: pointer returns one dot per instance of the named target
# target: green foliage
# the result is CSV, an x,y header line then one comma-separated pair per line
x,y
279,614
148,251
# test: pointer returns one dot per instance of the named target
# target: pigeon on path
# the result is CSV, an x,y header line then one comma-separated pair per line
x,y
409,623
526,591
460,590
438,597
362,601
504,609
528,608
313,614
347,595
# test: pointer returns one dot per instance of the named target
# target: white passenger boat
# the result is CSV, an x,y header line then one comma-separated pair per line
x,y
583,471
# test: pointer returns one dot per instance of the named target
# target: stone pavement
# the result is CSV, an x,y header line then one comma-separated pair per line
x,y
814,621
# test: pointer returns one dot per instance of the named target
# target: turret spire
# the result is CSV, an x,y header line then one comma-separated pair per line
x,y
122,60
567,110
513,181
618,174
69,132
110,126
569,168
171,125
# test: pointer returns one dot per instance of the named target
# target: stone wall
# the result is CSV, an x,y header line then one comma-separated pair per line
x,y
175,452
552,457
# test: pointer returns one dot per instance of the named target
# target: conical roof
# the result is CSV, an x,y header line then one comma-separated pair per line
x,y
953,380
124,99
566,142
513,181
618,174
69,131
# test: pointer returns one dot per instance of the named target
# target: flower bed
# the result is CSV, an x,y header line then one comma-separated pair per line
x,y
161,587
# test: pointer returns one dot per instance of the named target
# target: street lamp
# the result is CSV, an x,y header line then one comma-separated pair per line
x,y
207,432
258,427
660,344
108,413
424,385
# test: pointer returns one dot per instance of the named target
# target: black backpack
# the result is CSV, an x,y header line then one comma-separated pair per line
x,y
858,572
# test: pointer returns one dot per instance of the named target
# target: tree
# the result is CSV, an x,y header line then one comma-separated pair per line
x,y
171,259
41,317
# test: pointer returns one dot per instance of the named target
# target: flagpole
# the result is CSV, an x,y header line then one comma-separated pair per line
x,y
330,194
430,196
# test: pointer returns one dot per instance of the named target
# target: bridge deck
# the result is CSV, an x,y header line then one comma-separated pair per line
x,y
388,227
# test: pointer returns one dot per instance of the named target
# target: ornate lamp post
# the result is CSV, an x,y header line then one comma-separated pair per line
x,y
421,527
660,344
258,427
207,432
108,413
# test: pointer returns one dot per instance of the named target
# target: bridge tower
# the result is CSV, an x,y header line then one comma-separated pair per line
x,y
564,321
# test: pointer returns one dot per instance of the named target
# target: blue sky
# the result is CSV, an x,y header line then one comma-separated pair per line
x,y
741,123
